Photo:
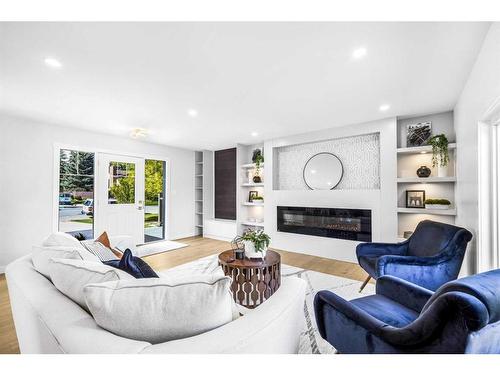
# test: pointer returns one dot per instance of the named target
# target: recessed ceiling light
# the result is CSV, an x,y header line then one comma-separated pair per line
x,y
139,133
53,63
384,107
358,53
192,112
255,134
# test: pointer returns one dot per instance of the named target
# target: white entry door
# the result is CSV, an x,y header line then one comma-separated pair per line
x,y
120,196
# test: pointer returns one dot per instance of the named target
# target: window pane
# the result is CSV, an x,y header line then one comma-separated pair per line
x,y
154,218
121,183
76,193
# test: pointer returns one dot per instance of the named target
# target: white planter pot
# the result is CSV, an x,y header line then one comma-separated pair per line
x,y
437,206
250,250
442,171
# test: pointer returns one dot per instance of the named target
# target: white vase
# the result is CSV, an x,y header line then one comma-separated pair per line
x,y
250,250
442,171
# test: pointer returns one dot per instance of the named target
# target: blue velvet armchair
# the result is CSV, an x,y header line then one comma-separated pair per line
x,y
431,257
463,316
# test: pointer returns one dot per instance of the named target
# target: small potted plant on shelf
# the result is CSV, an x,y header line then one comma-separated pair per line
x,y
256,242
258,199
258,159
440,157
437,204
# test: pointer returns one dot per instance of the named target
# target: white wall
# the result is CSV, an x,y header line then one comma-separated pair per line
x,y
480,92
381,201
27,178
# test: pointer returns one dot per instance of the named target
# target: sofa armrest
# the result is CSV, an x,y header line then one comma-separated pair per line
x,y
405,293
378,249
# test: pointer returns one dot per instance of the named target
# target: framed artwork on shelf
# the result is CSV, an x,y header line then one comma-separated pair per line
x,y
415,198
252,194
418,134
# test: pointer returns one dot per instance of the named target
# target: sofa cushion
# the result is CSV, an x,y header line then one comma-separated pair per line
x,y
42,254
69,276
61,239
164,309
134,266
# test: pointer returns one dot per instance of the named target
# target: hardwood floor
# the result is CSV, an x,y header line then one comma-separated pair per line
x,y
199,247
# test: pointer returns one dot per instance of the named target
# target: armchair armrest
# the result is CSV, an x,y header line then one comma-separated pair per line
x,y
379,249
407,294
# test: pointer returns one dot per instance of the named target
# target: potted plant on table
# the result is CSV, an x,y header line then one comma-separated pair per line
x,y
437,204
256,243
440,157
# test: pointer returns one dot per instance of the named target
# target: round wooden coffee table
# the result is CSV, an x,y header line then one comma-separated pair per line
x,y
254,280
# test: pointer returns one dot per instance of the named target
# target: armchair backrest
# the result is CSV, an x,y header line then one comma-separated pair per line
x,y
485,287
431,238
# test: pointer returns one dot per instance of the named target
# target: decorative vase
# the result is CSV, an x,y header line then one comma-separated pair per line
x,y
423,171
442,170
257,179
249,175
250,250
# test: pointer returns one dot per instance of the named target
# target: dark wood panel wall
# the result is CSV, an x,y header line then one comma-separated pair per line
x,y
225,184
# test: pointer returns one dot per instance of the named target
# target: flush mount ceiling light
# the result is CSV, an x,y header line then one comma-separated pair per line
x,y
254,134
359,53
138,133
384,107
52,63
192,112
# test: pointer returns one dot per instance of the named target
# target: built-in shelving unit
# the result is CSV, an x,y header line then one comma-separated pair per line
x,y
424,180
409,159
249,214
253,224
447,212
198,191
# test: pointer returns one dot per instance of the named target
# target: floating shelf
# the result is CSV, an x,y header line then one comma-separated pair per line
x,y
199,213
198,188
251,165
250,224
198,200
198,175
253,184
425,211
252,204
421,149
424,180
199,225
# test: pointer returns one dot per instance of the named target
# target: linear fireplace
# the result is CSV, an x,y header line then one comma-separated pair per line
x,y
343,223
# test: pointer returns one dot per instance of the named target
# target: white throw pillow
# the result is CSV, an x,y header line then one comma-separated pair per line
x,y
42,255
61,239
70,276
164,309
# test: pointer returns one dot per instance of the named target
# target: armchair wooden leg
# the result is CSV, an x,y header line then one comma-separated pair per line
x,y
364,284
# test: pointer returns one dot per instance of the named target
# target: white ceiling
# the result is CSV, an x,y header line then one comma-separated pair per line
x,y
275,79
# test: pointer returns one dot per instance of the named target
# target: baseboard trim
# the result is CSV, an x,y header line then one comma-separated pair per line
x,y
217,238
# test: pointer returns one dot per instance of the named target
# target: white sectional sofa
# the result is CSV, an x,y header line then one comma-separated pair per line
x,y
47,321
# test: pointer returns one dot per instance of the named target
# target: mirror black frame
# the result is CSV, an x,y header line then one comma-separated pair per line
x,y
320,153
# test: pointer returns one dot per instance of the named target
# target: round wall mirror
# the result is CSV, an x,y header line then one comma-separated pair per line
x,y
323,171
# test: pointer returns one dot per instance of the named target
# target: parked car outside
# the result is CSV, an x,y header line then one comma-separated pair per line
x,y
64,199
88,207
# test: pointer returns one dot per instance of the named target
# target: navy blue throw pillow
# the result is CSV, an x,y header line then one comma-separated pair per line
x,y
132,265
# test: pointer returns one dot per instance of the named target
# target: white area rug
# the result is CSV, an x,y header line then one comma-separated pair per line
x,y
310,340
157,247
